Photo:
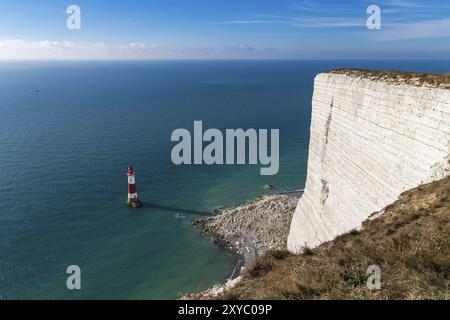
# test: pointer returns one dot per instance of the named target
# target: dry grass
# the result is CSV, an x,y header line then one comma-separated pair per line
x,y
400,77
410,242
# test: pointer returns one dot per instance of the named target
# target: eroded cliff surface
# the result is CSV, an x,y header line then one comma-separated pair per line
x,y
373,136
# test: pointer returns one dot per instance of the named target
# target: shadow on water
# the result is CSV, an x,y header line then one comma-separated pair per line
x,y
177,210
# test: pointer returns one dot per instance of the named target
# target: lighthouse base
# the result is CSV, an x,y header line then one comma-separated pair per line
x,y
134,203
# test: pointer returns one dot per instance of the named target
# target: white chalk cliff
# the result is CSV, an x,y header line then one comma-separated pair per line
x,y
373,136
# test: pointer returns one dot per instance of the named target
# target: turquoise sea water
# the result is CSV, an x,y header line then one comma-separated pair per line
x,y
68,130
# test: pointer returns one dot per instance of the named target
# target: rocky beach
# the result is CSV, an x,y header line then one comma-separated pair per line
x,y
249,231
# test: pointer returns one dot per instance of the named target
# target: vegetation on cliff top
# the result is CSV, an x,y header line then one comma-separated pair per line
x,y
400,77
410,242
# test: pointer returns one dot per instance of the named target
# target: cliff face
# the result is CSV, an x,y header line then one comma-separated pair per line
x,y
373,136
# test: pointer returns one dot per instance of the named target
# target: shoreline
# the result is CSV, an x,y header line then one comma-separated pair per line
x,y
243,257
248,231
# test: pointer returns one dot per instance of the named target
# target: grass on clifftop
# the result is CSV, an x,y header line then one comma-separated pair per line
x,y
441,80
410,242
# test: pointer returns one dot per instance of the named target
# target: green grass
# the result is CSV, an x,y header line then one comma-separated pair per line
x,y
410,242
400,77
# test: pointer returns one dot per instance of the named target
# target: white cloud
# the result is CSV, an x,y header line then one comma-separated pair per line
x,y
245,46
414,4
439,28
411,19
308,22
46,49
251,21
329,22
137,45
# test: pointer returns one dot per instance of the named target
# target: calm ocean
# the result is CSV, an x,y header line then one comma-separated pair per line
x,y
68,131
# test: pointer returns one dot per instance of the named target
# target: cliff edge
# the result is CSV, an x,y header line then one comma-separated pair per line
x,y
408,240
374,135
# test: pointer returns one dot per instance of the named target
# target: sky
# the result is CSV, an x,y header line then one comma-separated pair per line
x,y
225,29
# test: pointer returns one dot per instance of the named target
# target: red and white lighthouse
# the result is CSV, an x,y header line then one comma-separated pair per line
x,y
133,200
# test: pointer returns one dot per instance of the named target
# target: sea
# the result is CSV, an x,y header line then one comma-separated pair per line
x,y
69,130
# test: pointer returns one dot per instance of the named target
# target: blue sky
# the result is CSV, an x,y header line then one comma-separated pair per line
x,y
225,29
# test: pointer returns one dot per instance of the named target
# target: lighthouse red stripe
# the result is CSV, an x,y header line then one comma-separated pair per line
x,y
131,188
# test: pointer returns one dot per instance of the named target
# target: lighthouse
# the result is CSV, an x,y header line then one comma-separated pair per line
x,y
133,200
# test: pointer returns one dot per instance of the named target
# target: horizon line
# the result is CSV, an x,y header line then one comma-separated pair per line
x,y
206,59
